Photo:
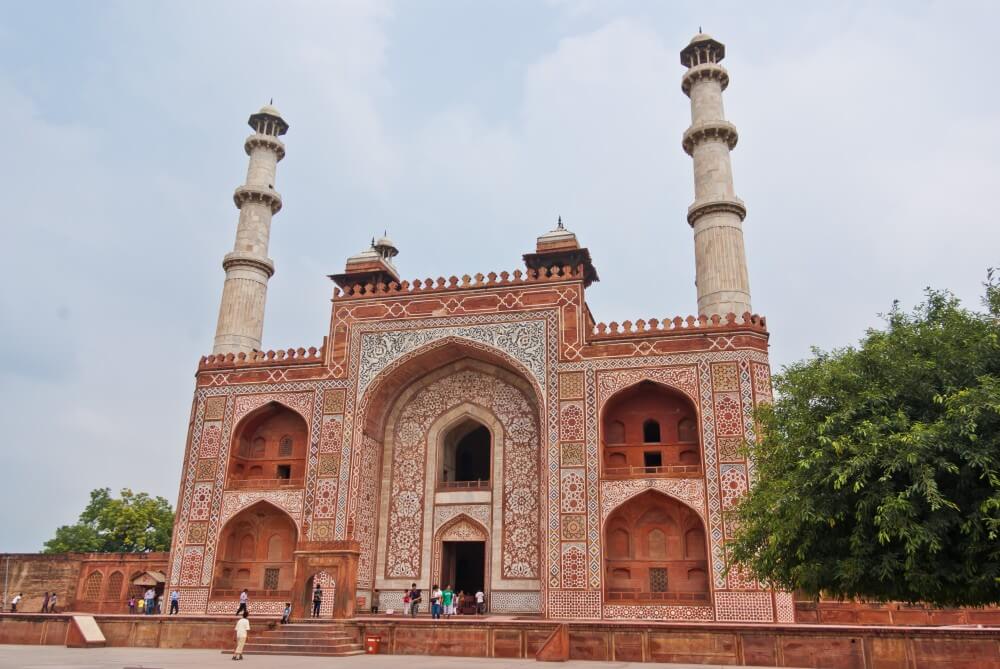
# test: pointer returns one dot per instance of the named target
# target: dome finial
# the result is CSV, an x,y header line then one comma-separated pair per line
x,y
560,227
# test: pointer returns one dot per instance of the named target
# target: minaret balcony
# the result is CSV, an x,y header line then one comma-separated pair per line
x,y
264,195
703,72
265,141
707,131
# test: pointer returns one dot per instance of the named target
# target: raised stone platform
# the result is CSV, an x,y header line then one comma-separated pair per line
x,y
813,645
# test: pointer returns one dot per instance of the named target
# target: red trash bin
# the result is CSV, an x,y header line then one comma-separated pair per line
x,y
372,644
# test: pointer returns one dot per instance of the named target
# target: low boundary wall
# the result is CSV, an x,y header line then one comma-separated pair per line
x,y
811,645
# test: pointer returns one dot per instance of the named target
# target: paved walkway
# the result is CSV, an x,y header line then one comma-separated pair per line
x,y
50,657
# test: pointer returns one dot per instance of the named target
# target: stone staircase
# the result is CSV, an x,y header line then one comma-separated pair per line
x,y
321,638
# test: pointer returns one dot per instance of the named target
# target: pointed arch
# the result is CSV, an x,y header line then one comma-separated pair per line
x,y
385,388
652,426
255,550
661,566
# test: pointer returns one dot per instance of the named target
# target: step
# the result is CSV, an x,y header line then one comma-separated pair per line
x,y
303,653
292,646
310,644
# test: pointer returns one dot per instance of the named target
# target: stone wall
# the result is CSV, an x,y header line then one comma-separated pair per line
x,y
34,574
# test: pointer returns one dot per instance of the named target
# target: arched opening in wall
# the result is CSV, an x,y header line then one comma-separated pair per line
x,y
113,588
92,586
256,552
664,562
466,456
649,430
269,450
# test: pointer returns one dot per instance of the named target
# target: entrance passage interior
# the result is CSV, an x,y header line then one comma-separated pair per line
x,y
463,565
466,453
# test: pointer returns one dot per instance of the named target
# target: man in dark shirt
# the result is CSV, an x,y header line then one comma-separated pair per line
x,y
414,600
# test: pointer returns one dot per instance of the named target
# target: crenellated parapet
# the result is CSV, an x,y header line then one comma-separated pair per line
x,y
259,358
466,282
701,324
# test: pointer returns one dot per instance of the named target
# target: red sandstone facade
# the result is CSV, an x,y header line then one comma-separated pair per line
x,y
613,453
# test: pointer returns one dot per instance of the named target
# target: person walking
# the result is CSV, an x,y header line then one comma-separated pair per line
x,y
317,600
45,603
52,603
375,598
131,604
175,602
287,613
447,597
14,602
480,602
242,630
415,598
435,602
244,601
150,598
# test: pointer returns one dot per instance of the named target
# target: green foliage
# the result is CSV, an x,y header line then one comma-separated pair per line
x,y
878,470
134,523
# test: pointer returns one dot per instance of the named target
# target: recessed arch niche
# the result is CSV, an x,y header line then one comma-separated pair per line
x,y
655,549
256,552
649,429
269,449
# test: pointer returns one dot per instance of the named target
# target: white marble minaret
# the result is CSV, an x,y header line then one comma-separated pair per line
x,y
241,314
717,214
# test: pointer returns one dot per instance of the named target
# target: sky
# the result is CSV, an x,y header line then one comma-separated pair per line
x,y
869,161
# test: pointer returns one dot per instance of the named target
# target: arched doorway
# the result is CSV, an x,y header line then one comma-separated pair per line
x,y
269,450
255,553
328,586
655,550
649,430
462,557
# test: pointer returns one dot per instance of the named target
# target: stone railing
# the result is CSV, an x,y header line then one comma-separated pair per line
x,y
491,280
259,358
703,323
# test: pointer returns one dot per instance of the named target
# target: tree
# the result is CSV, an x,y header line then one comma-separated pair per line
x,y
878,466
134,523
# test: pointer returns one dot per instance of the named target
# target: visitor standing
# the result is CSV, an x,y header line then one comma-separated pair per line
x,y
447,598
45,603
415,598
317,600
287,613
14,602
52,603
175,602
150,597
244,600
480,602
375,599
131,604
435,602
242,629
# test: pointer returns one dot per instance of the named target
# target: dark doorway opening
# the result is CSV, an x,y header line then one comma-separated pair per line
x,y
463,565
472,456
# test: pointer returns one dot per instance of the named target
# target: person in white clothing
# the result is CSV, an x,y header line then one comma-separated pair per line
x,y
480,602
242,629
14,602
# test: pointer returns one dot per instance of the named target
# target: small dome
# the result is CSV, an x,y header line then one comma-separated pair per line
x,y
270,110
559,237
702,37
368,254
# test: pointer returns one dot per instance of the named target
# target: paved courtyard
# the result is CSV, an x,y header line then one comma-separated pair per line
x,y
51,657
